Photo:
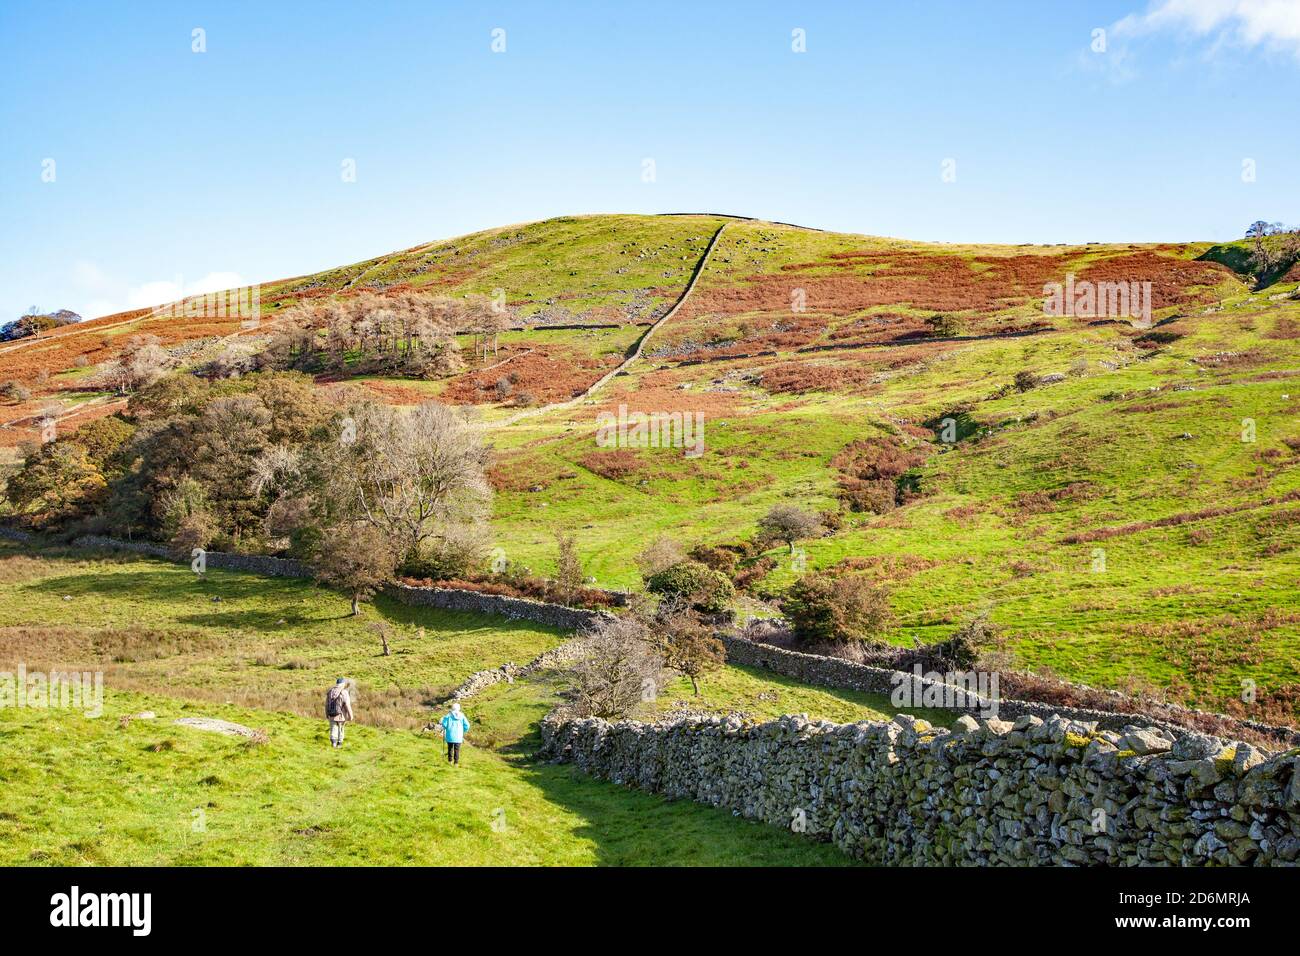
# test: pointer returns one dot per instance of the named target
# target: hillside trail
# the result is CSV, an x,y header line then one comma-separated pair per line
x,y
632,356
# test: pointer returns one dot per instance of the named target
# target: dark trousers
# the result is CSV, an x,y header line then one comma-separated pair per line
x,y
453,753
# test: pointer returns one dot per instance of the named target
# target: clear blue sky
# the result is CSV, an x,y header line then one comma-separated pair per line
x,y
171,164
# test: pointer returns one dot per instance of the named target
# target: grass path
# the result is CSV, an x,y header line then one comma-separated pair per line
x,y
81,791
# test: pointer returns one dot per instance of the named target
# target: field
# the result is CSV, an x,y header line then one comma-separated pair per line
x,y
83,790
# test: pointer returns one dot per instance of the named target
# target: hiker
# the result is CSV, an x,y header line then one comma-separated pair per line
x,y
454,726
338,710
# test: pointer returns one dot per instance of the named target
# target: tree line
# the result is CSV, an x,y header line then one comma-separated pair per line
x,y
267,463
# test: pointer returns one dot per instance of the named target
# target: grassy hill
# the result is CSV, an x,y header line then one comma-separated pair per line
x,y
1106,509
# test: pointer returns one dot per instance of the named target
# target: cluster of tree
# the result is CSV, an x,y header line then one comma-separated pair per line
x,y
142,361
35,322
265,464
1274,248
404,334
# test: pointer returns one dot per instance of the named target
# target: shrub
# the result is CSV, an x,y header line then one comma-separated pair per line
x,y
719,559
662,552
456,552
700,586
844,609
1025,380
943,326
968,643
14,392
875,474
568,566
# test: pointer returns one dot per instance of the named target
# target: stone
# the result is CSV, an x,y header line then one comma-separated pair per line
x,y
1144,742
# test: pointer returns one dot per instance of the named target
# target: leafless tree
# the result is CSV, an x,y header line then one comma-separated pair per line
x,y
417,476
617,672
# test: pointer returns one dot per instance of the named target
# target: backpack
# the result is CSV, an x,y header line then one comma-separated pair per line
x,y
333,702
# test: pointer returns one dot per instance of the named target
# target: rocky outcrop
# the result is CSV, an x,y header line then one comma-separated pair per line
x,y
994,792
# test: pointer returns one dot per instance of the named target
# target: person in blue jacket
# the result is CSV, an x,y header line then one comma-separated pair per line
x,y
454,726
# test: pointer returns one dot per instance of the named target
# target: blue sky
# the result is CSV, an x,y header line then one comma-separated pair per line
x,y
172,167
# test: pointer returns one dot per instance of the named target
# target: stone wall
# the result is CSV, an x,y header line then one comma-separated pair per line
x,y
566,653
551,615
1036,792
834,672
224,560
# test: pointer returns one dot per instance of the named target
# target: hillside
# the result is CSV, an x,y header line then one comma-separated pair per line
x,y
1104,506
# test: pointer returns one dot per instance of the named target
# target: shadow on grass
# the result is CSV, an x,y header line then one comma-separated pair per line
x,y
628,827
276,605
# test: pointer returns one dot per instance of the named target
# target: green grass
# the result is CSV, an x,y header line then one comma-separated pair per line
x,y
570,266
762,695
81,791
267,642
90,791
1195,608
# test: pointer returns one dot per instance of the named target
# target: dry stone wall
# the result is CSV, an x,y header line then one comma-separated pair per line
x,y
1032,792
835,672
550,615
224,560
566,653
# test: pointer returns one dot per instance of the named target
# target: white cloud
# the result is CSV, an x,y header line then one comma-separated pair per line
x,y
1271,24
162,291
98,293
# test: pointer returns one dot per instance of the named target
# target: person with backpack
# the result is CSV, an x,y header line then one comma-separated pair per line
x,y
338,710
454,726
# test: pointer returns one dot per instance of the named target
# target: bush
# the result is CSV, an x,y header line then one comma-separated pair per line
x,y
968,643
844,609
700,586
943,326
719,559
1025,380
456,552
663,552
875,474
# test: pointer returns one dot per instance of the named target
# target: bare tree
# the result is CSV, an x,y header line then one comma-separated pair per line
x,y
617,672
414,475
663,552
568,566
141,362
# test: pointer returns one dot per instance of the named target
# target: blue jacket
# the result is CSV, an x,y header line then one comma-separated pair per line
x,y
454,727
